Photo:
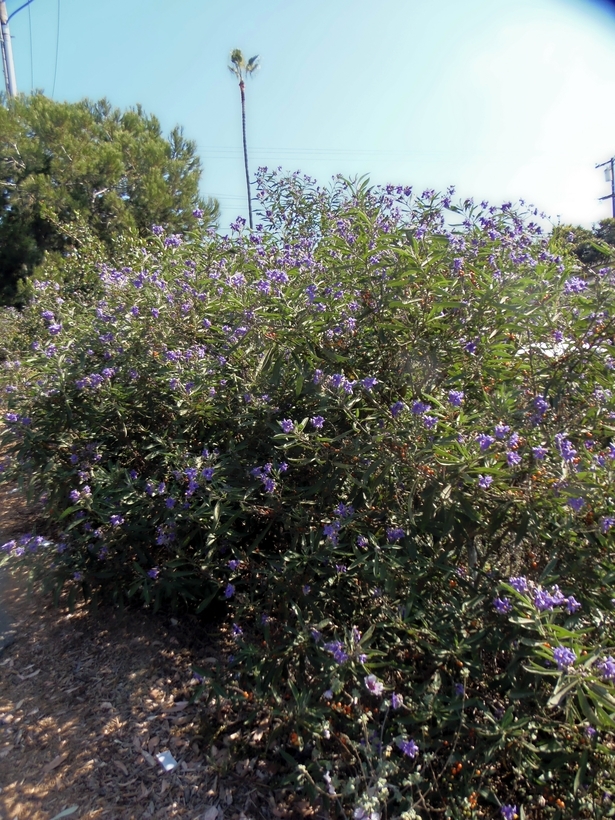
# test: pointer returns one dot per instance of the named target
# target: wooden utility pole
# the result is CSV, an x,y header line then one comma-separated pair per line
x,y
7,52
609,174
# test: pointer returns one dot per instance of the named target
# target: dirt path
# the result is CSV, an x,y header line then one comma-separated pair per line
x,y
86,702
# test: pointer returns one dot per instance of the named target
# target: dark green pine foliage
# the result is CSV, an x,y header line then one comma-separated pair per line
x,y
87,172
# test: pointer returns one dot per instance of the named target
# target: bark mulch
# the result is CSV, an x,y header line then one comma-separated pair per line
x,y
88,700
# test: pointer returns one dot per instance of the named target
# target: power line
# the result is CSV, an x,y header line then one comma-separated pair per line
x,y
31,51
55,70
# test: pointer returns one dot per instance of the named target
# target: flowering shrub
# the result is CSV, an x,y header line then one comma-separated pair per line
x,y
378,430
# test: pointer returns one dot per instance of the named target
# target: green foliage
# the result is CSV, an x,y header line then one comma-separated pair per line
x,y
70,172
593,248
377,435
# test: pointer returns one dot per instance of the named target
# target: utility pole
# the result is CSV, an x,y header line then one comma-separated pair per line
x,y
7,53
609,175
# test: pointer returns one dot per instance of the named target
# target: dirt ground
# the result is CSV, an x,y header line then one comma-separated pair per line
x,y
88,701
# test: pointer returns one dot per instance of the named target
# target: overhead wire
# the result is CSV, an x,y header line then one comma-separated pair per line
x,y
55,70
31,51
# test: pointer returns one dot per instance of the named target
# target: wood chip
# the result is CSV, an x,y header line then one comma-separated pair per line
x,y
210,814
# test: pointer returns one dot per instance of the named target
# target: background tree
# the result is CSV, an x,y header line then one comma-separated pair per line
x,y
592,247
69,170
241,69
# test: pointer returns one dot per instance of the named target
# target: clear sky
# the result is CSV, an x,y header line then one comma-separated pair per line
x,y
505,99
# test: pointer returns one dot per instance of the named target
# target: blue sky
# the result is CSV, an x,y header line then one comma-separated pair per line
x,y
504,100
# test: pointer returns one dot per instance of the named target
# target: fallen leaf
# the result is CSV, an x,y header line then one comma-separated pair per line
x,y
179,706
65,813
148,758
136,743
144,792
121,767
210,814
57,761
153,742
106,705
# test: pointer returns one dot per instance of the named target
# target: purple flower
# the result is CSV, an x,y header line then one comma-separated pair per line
x,y
563,657
430,422
269,485
233,564
154,572
513,458
518,583
395,534
575,285
419,407
485,481
502,605
344,510
116,520
459,689
408,747
484,441
539,452
606,668
237,630
287,425
607,523
369,383
572,604
590,731
501,430
375,686
455,397
54,329
470,347
133,474
74,496
576,503
208,473
362,541
157,230
336,648
317,422
397,408
170,503
229,591
197,213
564,447
155,313
397,701
509,812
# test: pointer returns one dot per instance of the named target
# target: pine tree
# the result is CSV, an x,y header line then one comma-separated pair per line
x,y
86,167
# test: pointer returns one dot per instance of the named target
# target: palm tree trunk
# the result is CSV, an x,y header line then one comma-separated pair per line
x,y
245,148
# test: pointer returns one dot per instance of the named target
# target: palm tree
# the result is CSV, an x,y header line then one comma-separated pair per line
x,y
242,69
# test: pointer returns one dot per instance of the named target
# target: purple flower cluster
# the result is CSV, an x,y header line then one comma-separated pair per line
x,y
264,474
564,447
564,657
408,748
336,648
